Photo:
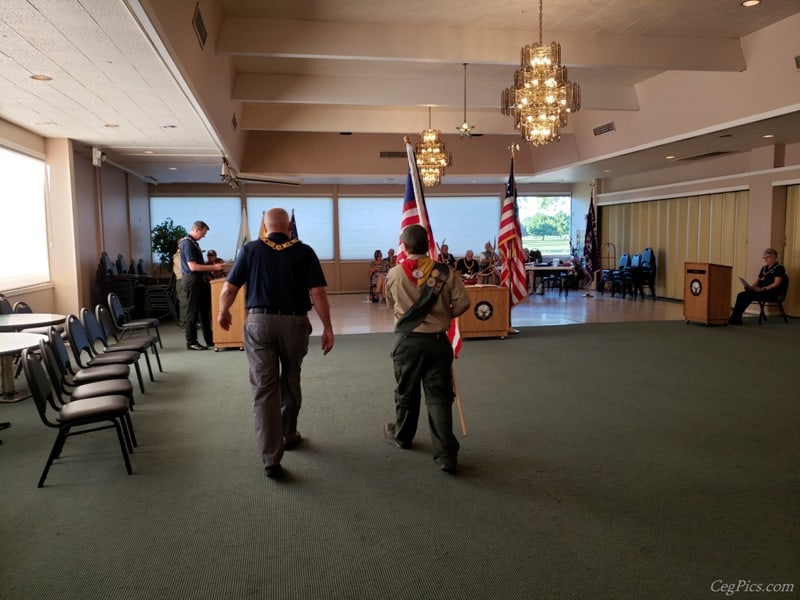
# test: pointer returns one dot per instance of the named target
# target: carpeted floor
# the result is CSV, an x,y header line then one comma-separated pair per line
x,y
636,460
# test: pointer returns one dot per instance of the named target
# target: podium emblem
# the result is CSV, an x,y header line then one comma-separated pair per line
x,y
696,287
483,311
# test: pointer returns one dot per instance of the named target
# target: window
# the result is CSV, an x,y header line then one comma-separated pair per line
x,y
463,223
546,223
222,214
23,228
313,216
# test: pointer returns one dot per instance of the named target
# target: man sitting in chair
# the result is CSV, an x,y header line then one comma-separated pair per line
x,y
765,288
490,261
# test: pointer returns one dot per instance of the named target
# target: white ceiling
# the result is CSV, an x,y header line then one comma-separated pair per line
x,y
112,87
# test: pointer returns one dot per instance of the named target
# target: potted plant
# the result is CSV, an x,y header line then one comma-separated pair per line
x,y
164,238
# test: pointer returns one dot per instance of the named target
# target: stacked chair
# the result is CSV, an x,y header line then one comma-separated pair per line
x,y
161,300
97,335
611,279
646,275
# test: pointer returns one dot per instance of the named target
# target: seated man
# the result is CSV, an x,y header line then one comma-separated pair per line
x,y
213,259
469,268
446,257
490,261
766,287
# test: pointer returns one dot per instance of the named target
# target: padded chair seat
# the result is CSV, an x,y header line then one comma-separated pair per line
x,y
101,373
110,387
93,407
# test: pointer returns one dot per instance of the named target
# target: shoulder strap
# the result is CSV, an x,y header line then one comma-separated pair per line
x,y
430,292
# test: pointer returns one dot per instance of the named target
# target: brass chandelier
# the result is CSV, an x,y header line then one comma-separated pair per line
x,y
432,158
542,97
465,129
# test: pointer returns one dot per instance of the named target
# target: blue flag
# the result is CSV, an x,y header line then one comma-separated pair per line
x,y
293,225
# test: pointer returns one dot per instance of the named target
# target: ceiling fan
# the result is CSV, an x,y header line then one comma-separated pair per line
x,y
234,178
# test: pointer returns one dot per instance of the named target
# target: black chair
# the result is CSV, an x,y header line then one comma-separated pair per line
x,y
103,387
113,336
96,334
629,276
777,302
5,306
611,279
80,344
646,276
73,377
161,300
73,418
128,326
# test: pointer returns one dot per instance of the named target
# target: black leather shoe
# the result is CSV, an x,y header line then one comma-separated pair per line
x,y
274,471
196,346
388,433
291,442
449,465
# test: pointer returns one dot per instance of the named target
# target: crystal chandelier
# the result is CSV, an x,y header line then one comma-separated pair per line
x,y
542,96
465,129
432,158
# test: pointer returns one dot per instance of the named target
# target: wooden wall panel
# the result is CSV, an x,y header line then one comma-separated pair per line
x,y
709,228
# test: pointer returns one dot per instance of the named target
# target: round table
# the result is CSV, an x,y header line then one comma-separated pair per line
x,y
14,323
11,344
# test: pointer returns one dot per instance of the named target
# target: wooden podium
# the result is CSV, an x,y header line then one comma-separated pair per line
x,y
707,293
234,337
488,314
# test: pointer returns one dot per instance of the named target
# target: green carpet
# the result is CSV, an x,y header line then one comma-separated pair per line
x,y
644,460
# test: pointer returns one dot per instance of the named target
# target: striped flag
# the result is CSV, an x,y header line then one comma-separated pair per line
x,y
262,230
416,213
293,225
509,242
591,251
244,233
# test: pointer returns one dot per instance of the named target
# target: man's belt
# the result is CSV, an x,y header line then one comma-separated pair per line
x,y
265,310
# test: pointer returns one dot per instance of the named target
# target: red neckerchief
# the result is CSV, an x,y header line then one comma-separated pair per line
x,y
417,269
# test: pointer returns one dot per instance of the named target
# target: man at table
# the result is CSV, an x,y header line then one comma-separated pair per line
x,y
469,268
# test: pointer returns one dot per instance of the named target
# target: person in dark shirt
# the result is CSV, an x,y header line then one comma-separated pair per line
x,y
279,273
195,273
767,287
469,268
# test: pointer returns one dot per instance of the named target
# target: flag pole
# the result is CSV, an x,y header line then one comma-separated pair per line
x,y
433,248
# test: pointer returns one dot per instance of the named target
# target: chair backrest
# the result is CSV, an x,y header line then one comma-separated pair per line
x,y
107,323
38,384
5,306
117,312
53,370
78,339
120,264
22,307
624,260
649,258
93,328
636,261
59,349
140,267
783,288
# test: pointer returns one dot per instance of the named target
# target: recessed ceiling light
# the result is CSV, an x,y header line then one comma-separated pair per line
x,y
111,125
670,157
173,168
39,77
749,3
148,152
766,136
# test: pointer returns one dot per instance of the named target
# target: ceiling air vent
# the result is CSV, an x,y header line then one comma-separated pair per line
x,y
706,155
388,154
199,26
604,128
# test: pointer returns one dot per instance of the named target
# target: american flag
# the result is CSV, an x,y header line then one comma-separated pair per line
x,y
509,242
591,251
244,234
293,225
415,213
